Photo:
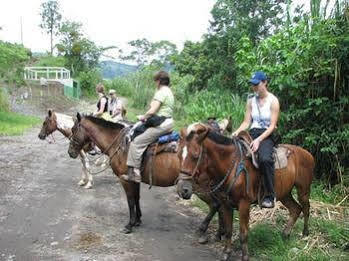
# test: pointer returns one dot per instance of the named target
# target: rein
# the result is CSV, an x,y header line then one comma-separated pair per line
x,y
105,151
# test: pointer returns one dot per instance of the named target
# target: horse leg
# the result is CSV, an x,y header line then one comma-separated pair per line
x,y
303,199
85,164
221,228
228,225
131,201
138,207
244,216
294,209
89,181
203,238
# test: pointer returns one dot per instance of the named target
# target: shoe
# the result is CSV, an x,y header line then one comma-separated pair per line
x,y
92,152
133,174
268,203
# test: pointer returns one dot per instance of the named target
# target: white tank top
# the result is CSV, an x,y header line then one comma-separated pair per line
x,y
261,116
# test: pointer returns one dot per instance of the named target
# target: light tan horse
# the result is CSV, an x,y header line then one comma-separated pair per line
x,y
165,166
237,180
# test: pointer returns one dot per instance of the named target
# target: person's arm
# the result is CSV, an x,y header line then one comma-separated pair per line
x,y
118,109
101,108
154,108
275,111
247,119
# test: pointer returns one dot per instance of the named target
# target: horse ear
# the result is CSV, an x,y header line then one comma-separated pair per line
x,y
49,113
202,132
183,133
78,116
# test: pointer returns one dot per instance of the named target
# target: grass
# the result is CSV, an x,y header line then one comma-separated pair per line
x,y
15,124
328,239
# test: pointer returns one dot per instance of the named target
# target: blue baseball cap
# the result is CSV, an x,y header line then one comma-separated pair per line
x,y
257,77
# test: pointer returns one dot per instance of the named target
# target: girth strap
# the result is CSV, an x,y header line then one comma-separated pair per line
x,y
239,170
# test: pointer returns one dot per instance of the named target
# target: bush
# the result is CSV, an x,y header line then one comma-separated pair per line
x,y
88,81
4,105
53,61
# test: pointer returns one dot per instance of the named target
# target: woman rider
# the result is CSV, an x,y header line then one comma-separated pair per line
x,y
262,113
161,110
102,105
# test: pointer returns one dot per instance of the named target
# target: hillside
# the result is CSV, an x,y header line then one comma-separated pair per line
x,y
111,69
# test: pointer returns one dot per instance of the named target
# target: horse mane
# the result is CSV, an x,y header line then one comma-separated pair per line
x,y
219,139
104,123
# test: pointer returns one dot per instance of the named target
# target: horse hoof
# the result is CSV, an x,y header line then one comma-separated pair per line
x,y
225,257
203,239
126,230
285,236
217,238
88,186
81,182
138,223
305,233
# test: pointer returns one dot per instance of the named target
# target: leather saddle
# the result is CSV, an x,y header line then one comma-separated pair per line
x,y
280,154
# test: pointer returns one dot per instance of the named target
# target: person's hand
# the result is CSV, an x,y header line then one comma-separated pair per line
x,y
141,118
255,145
234,134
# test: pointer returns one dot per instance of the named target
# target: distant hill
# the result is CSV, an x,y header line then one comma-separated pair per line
x,y
111,69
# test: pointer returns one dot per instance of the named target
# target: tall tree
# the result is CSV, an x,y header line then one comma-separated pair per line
x,y
50,18
141,51
81,53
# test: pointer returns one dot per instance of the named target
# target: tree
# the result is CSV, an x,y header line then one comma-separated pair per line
x,y
142,49
50,18
81,53
162,52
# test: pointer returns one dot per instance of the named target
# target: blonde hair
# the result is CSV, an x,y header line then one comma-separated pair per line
x,y
100,88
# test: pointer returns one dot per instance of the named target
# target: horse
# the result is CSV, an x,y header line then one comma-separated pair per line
x,y
63,123
162,171
237,181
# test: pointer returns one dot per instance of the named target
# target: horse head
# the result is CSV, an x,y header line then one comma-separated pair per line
x,y
49,125
191,157
78,139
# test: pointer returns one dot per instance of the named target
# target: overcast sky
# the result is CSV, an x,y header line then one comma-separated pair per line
x,y
110,22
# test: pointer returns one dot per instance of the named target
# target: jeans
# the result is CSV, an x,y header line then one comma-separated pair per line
x,y
266,161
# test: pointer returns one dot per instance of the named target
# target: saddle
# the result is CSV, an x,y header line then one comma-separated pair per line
x,y
280,153
155,148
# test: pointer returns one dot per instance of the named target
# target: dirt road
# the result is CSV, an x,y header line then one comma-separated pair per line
x,y
45,215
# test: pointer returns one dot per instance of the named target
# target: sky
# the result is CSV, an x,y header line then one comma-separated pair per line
x,y
110,22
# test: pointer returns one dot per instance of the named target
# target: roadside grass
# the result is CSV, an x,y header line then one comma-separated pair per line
x,y
328,225
16,124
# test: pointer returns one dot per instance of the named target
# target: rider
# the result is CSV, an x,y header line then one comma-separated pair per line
x,y
102,105
160,116
101,112
115,106
262,113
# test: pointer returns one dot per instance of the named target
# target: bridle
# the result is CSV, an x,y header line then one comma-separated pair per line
x,y
77,144
185,175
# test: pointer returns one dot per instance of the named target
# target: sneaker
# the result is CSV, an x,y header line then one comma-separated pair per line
x,y
133,175
92,152
268,203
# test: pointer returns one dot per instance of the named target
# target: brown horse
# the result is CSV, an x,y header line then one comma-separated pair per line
x,y
165,166
63,123
237,180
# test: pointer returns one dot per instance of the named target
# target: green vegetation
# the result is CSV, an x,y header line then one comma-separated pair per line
x,y
15,124
327,241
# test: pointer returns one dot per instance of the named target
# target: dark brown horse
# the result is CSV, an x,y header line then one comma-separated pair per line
x,y
237,180
110,138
